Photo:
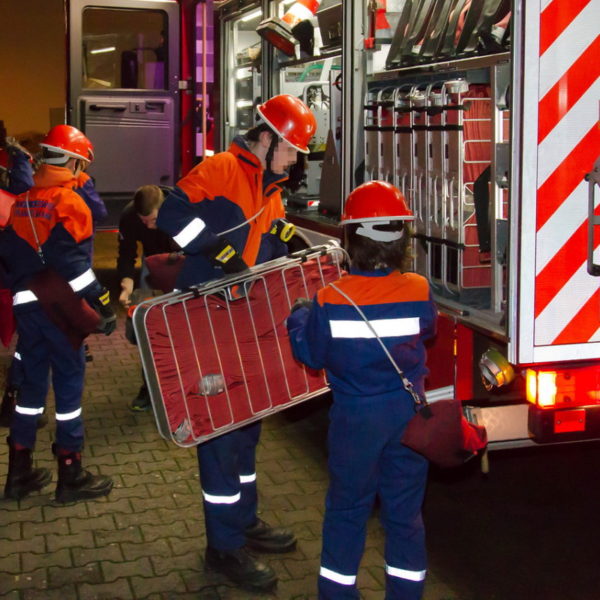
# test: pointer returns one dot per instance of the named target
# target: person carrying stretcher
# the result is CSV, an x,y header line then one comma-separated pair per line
x,y
226,215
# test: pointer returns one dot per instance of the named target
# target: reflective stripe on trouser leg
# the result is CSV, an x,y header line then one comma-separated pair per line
x,y
220,465
249,437
401,490
35,371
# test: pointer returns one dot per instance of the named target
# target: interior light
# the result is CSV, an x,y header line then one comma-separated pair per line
x,y
251,16
103,50
495,369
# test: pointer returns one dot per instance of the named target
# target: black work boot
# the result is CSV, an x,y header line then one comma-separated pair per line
x,y
264,538
242,568
22,478
142,402
75,483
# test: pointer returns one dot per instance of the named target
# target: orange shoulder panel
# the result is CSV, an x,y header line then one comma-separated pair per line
x,y
395,287
212,177
74,214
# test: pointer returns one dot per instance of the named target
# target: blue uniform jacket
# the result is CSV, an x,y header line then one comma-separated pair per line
x,y
332,335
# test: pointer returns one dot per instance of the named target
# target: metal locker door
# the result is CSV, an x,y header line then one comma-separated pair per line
x,y
385,119
371,135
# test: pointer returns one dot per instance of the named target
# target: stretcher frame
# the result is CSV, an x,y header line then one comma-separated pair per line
x,y
186,434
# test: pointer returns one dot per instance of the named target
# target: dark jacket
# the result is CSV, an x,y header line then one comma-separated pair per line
x,y
132,231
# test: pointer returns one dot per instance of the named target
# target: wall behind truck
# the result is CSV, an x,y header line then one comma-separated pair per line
x,y
33,65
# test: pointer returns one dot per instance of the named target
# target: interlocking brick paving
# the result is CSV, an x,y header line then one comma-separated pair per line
x,y
146,540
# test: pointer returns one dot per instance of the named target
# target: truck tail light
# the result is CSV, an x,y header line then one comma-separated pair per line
x,y
541,387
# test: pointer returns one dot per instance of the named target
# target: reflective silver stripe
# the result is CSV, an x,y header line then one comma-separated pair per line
x,y
383,327
404,574
23,410
17,356
248,478
337,577
24,297
82,281
68,416
190,232
221,499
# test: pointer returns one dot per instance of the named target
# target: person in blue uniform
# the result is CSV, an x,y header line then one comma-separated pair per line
x,y
51,228
225,215
370,405
16,177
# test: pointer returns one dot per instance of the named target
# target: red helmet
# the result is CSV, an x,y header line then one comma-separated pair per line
x,y
291,119
376,201
68,141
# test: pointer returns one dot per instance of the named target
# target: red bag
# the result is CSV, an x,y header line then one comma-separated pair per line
x,y
163,270
7,318
441,433
70,313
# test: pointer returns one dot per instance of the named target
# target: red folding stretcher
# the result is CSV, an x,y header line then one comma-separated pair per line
x,y
213,364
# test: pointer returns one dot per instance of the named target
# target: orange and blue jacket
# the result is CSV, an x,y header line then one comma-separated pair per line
x,y
51,226
332,335
230,196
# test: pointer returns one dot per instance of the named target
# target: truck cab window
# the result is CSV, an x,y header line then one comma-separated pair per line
x,y
124,49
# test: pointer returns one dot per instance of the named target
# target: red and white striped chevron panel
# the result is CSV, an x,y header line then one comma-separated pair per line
x,y
567,298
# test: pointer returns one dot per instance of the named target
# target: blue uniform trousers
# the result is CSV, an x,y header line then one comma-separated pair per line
x,y
15,371
366,459
228,479
44,347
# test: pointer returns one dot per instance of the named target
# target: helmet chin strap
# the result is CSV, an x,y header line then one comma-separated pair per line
x,y
368,230
271,150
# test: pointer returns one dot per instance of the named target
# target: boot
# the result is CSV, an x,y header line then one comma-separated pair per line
x,y
22,478
142,402
264,538
75,483
242,568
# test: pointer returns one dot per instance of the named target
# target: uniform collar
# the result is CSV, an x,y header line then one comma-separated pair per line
x,y
51,175
373,273
251,164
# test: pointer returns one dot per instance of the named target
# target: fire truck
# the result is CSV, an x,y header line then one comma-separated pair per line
x,y
483,112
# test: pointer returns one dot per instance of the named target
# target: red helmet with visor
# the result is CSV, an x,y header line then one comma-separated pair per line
x,y
68,141
291,119
376,203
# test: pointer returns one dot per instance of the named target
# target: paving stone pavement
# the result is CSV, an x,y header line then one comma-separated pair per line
x,y
146,540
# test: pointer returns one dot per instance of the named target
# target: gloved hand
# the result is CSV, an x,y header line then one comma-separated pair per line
x,y
108,318
301,303
13,147
282,229
225,256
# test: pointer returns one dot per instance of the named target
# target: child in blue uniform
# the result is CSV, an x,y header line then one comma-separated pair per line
x,y
371,407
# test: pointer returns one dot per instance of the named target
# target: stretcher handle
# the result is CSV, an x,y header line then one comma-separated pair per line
x,y
593,179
